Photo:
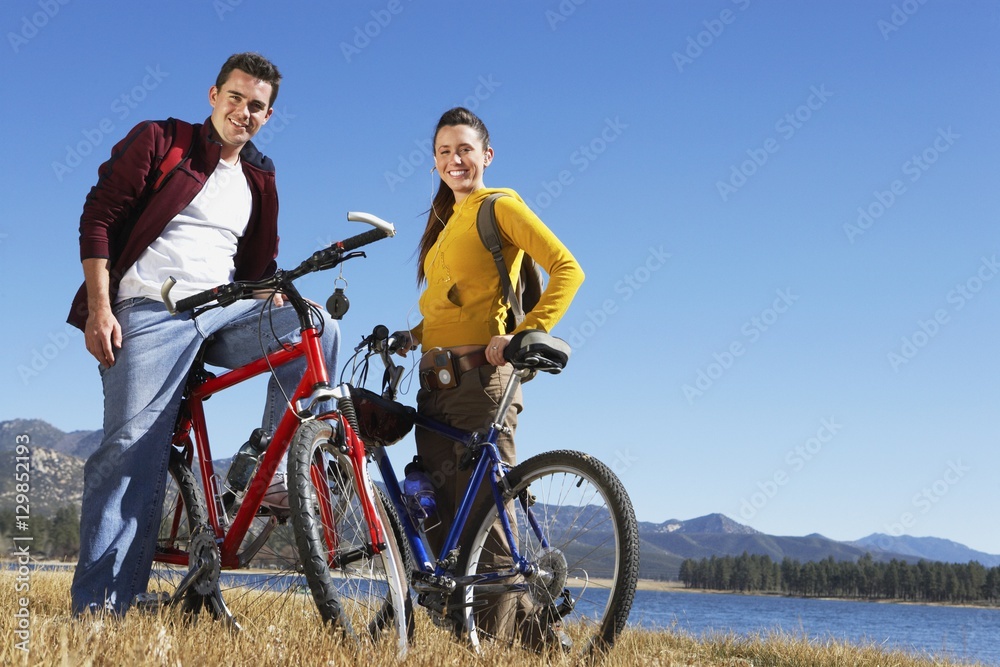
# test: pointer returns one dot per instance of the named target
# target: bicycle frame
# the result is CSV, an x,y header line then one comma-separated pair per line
x,y
315,385
488,462
216,537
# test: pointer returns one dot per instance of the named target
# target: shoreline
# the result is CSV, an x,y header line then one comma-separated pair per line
x,y
655,585
678,587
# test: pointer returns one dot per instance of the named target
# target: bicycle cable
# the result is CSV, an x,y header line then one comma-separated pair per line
x,y
315,316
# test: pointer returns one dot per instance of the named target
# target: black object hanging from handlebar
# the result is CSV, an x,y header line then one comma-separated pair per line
x,y
337,304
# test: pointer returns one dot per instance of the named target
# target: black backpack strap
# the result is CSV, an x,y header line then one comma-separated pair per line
x,y
489,234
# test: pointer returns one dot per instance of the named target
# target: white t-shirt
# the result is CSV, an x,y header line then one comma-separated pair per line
x,y
198,246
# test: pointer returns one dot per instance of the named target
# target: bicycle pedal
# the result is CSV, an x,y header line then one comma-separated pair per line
x,y
150,602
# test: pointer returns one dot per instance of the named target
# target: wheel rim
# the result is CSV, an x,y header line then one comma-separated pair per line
x,y
577,518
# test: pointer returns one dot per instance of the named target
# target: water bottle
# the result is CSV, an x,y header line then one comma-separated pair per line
x,y
245,462
418,490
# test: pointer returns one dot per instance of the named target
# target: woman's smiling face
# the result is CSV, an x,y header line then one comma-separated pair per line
x,y
461,159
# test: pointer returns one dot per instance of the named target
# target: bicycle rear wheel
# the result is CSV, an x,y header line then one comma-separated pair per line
x,y
571,519
271,586
182,512
351,585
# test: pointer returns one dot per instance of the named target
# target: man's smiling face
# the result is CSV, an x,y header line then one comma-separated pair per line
x,y
239,109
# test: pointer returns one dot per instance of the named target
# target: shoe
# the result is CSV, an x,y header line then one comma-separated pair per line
x,y
276,496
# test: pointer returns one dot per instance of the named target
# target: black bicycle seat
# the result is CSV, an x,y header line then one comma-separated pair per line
x,y
537,350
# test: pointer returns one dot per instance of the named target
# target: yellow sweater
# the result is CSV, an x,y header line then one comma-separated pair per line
x,y
462,304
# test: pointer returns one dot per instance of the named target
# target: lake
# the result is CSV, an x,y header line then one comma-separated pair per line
x,y
959,633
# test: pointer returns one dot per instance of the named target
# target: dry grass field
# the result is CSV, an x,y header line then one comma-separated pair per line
x,y
292,638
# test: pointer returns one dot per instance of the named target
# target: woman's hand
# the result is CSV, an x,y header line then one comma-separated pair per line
x,y
402,342
495,348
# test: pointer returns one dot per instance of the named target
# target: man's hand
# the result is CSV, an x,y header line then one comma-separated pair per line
x,y
277,297
103,335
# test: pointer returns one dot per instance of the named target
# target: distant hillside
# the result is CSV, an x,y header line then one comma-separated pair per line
x,y
718,535
927,548
56,480
42,434
711,523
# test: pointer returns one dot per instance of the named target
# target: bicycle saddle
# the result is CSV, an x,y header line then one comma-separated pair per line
x,y
537,350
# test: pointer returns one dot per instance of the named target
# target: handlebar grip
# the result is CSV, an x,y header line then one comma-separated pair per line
x,y
362,239
200,299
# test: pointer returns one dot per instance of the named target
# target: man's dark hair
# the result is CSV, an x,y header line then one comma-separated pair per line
x,y
256,66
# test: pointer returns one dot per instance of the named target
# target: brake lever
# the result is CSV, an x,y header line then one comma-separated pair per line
x,y
364,342
379,334
394,376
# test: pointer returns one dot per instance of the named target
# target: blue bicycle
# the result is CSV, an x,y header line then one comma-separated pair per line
x,y
564,574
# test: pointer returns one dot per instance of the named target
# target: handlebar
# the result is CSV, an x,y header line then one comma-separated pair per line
x,y
373,220
361,240
320,260
219,293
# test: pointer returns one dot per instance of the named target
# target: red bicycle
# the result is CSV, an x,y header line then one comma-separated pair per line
x,y
336,527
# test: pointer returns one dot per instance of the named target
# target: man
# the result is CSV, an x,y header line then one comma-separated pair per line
x,y
212,220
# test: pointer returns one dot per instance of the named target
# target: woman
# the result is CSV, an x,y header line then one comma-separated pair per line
x,y
463,310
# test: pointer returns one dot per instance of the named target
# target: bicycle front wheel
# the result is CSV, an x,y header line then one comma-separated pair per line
x,y
573,522
352,586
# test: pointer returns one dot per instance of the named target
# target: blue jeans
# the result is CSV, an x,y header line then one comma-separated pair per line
x,y
125,479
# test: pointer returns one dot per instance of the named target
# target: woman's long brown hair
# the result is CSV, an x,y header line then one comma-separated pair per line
x,y
444,201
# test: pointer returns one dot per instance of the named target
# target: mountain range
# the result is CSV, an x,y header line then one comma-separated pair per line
x,y
57,480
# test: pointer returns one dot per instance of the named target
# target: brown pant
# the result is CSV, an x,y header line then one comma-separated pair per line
x,y
470,406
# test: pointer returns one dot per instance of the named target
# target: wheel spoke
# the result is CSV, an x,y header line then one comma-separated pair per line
x,y
590,530
353,587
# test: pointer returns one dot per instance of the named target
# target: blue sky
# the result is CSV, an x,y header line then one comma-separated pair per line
x,y
787,214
